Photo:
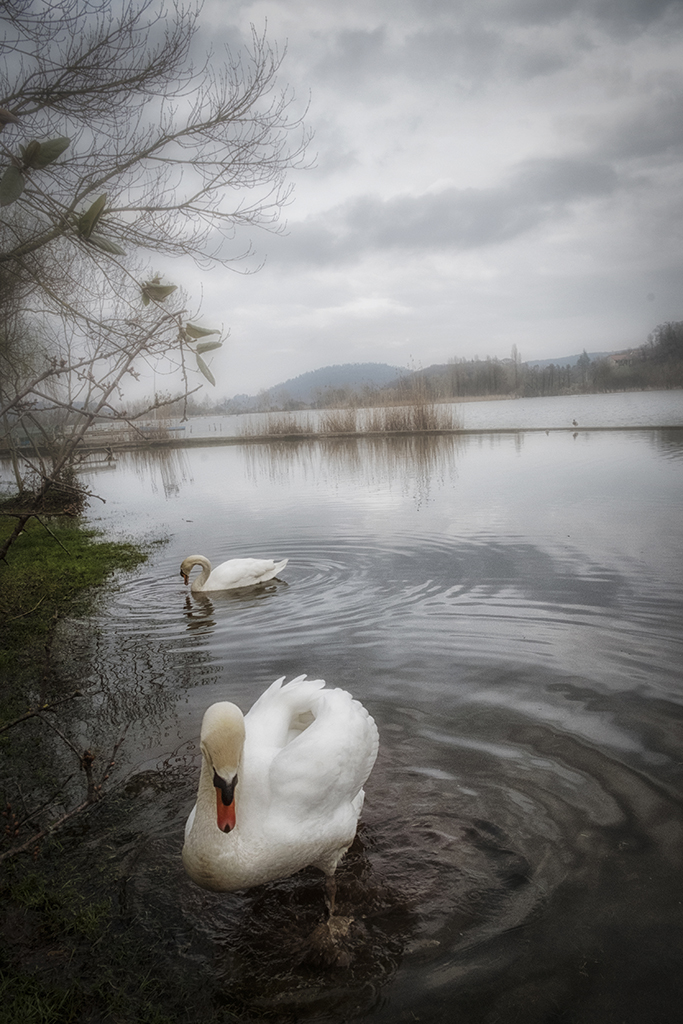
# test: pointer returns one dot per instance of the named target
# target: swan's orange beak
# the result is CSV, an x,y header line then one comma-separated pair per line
x,y
225,813
186,578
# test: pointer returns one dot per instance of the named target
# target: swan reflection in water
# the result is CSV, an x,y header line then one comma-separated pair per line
x,y
201,609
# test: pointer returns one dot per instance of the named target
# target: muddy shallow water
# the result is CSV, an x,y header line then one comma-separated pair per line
x,y
509,609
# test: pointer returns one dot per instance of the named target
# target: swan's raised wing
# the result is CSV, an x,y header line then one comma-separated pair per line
x,y
282,712
321,771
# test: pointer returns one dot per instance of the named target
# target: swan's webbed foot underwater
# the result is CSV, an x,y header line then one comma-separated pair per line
x,y
330,893
327,945
329,941
337,924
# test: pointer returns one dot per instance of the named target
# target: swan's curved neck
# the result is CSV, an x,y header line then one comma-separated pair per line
x,y
199,581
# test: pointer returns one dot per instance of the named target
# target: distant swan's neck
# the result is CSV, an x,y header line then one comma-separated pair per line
x,y
200,580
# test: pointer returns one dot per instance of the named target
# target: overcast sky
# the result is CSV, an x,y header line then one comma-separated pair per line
x,y
487,174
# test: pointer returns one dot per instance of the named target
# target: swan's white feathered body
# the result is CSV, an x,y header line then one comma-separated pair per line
x,y
236,572
296,764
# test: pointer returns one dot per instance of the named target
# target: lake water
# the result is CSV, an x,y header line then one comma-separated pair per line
x,y
509,608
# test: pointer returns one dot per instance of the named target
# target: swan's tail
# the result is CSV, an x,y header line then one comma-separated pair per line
x,y
298,692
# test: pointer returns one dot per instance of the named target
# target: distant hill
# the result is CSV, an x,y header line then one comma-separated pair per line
x,y
338,384
316,385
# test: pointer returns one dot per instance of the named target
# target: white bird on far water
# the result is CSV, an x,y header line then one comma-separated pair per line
x,y
280,788
236,572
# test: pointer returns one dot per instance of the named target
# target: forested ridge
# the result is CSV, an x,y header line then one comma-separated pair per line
x,y
656,364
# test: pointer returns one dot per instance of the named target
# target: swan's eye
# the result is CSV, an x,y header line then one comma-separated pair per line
x,y
227,788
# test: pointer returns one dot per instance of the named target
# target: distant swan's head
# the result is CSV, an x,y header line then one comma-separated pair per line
x,y
188,565
222,742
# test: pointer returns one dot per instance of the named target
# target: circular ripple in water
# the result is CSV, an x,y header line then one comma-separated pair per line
x,y
495,866
437,593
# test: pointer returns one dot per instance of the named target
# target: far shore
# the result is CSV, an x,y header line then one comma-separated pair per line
x,y
263,439
105,443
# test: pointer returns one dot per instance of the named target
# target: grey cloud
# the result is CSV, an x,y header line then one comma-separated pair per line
x,y
468,54
453,218
537,62
630,16
470,46
479,53
620,16
352,52
550,180
653,130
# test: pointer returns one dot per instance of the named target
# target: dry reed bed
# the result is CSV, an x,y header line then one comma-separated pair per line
x,y
420,417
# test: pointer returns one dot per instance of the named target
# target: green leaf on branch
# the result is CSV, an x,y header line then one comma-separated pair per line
x,y
195,332
208,346
50,150
30,152
106,245
39,154
157,292
11,185
88,220
205,370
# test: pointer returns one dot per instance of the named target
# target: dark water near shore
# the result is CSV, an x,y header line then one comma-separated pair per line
x,y
509,608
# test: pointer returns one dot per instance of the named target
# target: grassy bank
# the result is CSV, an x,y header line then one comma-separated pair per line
x,y
50,573
57,908
50,583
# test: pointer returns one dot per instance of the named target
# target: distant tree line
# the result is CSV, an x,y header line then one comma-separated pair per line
x,y
657,364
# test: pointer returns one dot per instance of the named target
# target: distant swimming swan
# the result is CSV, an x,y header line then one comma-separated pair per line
x,y
237,572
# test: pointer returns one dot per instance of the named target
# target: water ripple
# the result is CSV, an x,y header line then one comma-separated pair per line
x,y
442,594
475,835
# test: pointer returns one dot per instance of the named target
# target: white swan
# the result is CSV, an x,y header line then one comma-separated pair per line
x,y
237,572
280,788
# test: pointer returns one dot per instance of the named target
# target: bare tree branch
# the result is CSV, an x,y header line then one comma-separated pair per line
x,y
115,146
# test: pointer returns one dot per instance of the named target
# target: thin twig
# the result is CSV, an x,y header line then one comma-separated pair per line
x,y
47,803
66,739
36,712
46,832
21,615
21,797
46,527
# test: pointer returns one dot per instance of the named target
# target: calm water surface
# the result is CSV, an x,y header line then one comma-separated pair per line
x,y
509,609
